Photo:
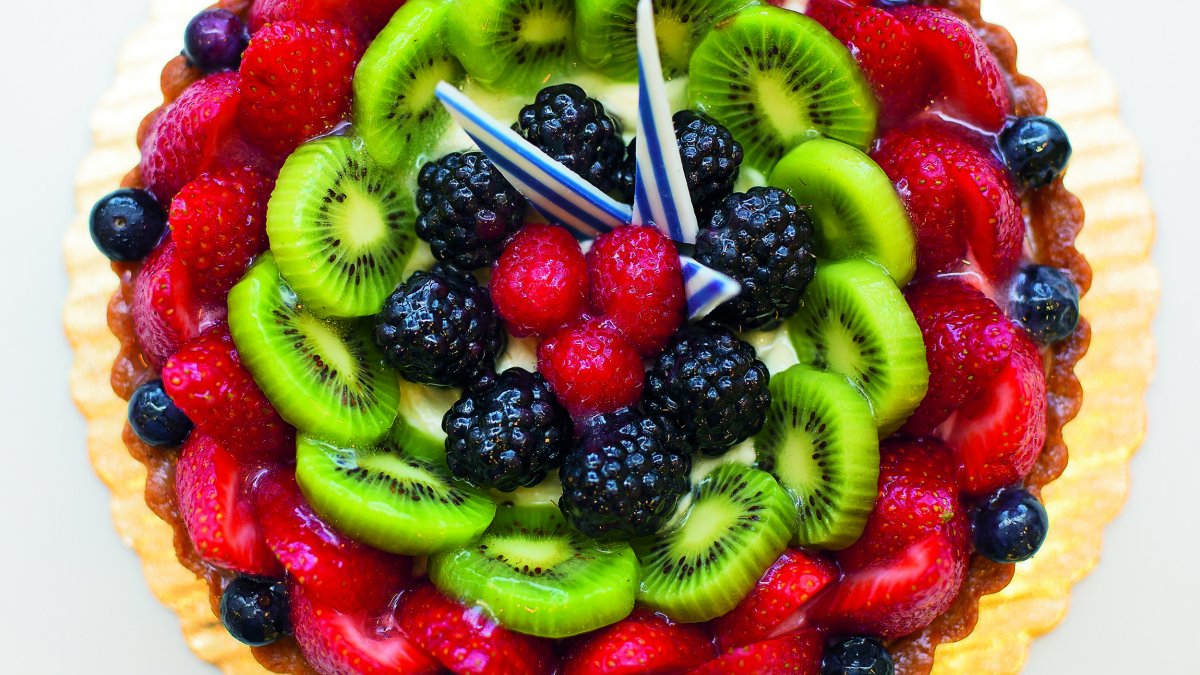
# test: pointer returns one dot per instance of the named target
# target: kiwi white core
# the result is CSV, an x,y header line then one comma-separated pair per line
x,y
360,220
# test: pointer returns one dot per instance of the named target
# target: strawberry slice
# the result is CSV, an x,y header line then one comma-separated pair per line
x,y
918,496
967,342
368,17
784,589
207,381
797,654
645,643
465,640
353,643
280,109
216,510
165,311
899,594
994,225
188,134
885,51
969,82
998,434
334,570
923,178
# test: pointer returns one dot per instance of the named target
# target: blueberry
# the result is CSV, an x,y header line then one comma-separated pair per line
x,y
255,610
127,224
155,419
1036,150
857,656
1010,526
214,40
1046,302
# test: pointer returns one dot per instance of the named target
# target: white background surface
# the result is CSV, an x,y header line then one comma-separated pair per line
x,y
72,597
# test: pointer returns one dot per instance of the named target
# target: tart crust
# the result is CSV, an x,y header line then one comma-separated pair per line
x,y
1105,175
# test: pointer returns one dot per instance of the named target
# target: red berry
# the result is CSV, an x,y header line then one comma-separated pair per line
x,y
798,654
216,510
967,343
207,381
784,590
968,80
899,594
335,570
296,82
353,643
642,644
918,496
592,369
466,640
187,135
218,222
884,50
637,284
540,283
998,434
165,311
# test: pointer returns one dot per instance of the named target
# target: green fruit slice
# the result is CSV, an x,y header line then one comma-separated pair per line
x,y
855,322
418,427
856,210
326,378
389,500
820,443
514,45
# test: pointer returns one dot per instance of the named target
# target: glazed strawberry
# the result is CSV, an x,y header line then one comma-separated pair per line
x,y
998,434
884,50
930,193
967,340
165,311
994,225
645,643
334,570
540,283
217,511
898,594
186,137
637,284
798,654
218,223
918,496
296,82
209,384
353,643
968,80
465,640
592,369
368,17
787,586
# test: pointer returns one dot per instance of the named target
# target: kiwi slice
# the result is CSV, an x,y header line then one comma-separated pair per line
x,y
739,521
776,79
606,32
537,576
418,427
856,210
855,322
819,442
389,500
325,377
514,45
395,108
341,228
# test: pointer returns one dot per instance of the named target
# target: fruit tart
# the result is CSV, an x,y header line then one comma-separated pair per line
x,y
597,336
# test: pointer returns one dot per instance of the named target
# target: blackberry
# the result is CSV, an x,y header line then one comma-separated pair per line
x,y
764,240
711,157
439,328
468,210
507,432
712,385
628,173
625,477
575,130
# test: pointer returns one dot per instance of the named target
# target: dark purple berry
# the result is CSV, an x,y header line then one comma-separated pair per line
x,y
214,40
1010,526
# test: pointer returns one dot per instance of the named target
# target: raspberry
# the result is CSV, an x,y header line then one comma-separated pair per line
x,y
540,284
592,369
637,285
575,130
